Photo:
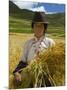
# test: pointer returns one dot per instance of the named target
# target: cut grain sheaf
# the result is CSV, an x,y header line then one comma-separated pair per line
x,y
51,61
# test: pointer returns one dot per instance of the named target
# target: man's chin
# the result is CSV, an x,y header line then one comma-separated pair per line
x,y
38,36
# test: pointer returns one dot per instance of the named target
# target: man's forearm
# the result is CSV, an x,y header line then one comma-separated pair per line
x,y
20,66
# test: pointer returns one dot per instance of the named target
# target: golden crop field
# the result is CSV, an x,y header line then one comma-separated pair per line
x,y
16,44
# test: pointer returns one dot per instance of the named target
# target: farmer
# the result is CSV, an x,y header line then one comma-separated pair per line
x,y
36,44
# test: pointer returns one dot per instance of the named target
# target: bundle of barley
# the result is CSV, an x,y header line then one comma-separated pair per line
x,y
46,70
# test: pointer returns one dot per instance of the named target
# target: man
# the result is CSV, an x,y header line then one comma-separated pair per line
x,y
36,44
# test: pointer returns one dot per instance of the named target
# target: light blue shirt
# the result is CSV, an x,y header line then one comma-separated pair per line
x,y
33,46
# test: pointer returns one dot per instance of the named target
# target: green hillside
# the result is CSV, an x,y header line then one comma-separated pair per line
x,y
20,21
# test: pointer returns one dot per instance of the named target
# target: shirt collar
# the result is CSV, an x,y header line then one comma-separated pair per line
x,y
41,38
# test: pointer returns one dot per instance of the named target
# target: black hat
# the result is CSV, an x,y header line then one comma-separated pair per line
x,y
39,17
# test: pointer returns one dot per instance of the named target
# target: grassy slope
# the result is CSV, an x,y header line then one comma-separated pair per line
x,y
24,26
20,21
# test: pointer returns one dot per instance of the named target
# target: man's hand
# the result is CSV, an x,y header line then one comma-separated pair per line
x,y
17,76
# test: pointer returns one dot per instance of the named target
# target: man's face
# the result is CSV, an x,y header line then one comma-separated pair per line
x,y
38,29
